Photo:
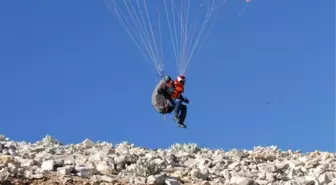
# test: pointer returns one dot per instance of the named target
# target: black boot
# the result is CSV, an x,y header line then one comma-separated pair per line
x,y
182,125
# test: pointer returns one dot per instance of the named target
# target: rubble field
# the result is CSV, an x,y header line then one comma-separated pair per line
x,y
49,162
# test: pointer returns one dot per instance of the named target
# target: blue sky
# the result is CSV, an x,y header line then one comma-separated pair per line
x,y
68,69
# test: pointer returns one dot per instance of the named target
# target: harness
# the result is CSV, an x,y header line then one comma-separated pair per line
x,y
162,104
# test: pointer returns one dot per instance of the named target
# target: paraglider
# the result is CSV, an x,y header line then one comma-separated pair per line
x,y
167,97
189,23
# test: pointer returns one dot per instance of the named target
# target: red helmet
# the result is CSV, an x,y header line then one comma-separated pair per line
x,y
181,79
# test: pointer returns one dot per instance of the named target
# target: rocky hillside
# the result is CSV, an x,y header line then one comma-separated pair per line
x,y
50,162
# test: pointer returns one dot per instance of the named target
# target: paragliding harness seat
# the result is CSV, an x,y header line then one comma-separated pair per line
x,y
164,105
161,101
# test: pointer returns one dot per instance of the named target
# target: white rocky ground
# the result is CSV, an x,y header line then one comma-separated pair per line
x,y
101,163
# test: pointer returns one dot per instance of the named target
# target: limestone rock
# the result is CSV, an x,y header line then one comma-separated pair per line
x,y
48,165
156,179
5,159
4,174
67,170
241,180
170,181
87,143
85,171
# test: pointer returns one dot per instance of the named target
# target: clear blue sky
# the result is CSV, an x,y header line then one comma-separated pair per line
x,y
68,69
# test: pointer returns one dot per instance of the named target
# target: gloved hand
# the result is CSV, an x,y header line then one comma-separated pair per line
x,y
186,100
